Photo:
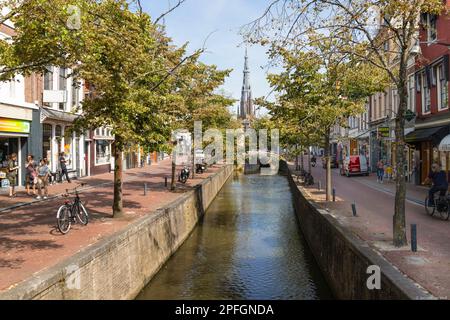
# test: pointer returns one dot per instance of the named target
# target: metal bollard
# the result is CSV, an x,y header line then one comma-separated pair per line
x,y
145,189
413,237
165,182
334,195
320,185
354,209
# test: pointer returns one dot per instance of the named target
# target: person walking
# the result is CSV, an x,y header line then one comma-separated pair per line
x,y
63,167
380,170
42,179
31,175
13,171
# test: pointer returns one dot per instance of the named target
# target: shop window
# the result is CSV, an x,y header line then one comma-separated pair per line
x,y
47,141
102,152
68,141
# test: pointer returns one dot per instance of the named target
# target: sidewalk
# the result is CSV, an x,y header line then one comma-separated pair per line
x,y
430,266
30,242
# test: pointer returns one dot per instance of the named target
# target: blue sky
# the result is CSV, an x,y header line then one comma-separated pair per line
x,y
194,20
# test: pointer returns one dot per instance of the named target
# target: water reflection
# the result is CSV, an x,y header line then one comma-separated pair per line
x,y
248,246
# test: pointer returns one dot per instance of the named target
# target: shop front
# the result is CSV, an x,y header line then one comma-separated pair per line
x,y
427,143
14,135
444,150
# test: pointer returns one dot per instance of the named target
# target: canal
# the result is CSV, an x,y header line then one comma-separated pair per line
x,y
247,246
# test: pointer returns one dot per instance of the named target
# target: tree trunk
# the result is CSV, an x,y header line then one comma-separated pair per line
x,y
309,160
173,183
328,161
118,182
302,164
399,219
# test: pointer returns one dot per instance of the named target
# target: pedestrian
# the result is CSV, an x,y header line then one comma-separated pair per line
x,y
389,172
13,171
42,179
63,167
380,171
31,175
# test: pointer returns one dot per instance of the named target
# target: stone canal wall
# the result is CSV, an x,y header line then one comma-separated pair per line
x,y
119,266
344,258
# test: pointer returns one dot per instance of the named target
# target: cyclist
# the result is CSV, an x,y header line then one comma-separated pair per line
x,y
440,183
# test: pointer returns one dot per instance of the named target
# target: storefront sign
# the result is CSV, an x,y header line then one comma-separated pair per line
x,y
14,126
383,132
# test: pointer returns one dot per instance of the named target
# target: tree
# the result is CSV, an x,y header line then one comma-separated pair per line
x,y
128,60
381,33
316,92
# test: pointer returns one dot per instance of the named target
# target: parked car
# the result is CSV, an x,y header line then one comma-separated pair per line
x,y
355,165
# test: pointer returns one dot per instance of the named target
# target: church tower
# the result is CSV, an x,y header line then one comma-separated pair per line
x,y
246,109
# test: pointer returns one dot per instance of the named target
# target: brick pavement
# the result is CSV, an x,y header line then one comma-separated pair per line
x,y
30,242
429,266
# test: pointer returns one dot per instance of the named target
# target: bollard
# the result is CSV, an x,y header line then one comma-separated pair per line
x,y
320,185
145,189
334,195
413,237
354,209
165,182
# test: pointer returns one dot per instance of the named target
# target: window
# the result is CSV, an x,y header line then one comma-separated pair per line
x,y
68,140
442,88
75,95
48,79
102,152
426,95
411,93
62,85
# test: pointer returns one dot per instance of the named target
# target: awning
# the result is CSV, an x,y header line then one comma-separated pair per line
x,y
57,115
445,144
434,134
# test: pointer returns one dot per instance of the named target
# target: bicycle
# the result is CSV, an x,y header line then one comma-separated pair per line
x,y
71,211
441,205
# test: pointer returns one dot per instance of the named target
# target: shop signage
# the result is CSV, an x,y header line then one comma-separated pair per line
x,y
383,132
14,125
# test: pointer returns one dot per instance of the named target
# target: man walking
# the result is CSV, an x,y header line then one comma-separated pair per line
x,y
63,167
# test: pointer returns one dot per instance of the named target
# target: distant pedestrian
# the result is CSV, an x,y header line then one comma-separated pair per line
x,y
31,175
63,167
380,171
13,171
42,181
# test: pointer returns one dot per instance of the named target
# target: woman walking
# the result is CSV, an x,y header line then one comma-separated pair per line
x,y
13,171
43,172
31,176
380,171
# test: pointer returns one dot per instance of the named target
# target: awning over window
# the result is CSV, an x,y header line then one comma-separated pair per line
x,y
57,115
429,134
445,144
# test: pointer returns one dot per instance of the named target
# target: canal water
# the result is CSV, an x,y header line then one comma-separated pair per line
x,y
247,246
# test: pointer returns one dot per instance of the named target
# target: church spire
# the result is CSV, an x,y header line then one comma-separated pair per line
x,y
246,108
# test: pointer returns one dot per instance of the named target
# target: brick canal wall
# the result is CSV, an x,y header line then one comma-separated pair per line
x,y
119,266
344,258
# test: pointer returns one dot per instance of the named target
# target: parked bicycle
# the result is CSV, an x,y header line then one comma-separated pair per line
x,y
71,211
441,205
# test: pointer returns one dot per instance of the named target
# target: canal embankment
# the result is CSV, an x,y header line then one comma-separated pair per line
x,y
120,265
343,257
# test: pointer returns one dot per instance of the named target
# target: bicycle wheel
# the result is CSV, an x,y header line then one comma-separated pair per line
x,y
82,214
445,213
429,209
63,219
